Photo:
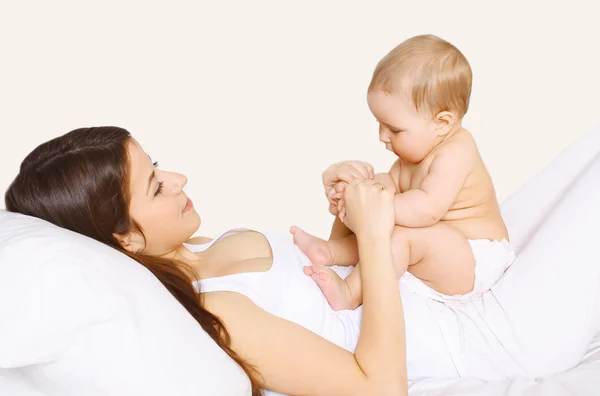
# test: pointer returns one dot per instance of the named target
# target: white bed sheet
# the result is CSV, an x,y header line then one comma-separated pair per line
x,y
525,213
583,380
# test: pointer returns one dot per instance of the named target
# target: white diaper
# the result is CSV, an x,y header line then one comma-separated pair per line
x,y
492,259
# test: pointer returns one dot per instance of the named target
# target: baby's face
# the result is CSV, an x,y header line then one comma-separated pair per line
x,y
408,133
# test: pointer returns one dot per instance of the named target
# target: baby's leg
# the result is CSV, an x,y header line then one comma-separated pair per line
x,y
439,255
343,251
340,293
351,290
347,293
335,289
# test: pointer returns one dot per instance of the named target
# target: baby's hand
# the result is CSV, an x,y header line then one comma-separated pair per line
x,y
347,171
337,177
341,208
334,195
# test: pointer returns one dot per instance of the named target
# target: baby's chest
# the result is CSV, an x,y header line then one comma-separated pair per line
x,y
412,176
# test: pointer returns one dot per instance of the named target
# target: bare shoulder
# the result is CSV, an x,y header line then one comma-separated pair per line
x,y
463,141
198,240
460,148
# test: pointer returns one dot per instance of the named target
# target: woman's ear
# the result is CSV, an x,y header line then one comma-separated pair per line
x,y
133,242
444,122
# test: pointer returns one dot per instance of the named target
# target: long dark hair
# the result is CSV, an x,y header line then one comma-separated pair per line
x,y
80,181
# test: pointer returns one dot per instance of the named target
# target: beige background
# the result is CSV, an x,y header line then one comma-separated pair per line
x,y
253,99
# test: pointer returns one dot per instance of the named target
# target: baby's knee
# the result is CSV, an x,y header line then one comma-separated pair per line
x,y
400,250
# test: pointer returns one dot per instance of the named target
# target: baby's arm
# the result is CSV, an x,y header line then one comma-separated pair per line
x,y
425,206
386,180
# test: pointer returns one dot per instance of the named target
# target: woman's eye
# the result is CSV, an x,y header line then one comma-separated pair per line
x,y
159,189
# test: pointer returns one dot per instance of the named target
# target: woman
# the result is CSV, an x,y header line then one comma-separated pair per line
x,y
100,183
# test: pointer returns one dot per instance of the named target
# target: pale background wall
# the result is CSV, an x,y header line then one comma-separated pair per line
x,y
253,99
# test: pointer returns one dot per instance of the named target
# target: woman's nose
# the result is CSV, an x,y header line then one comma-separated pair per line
x,y
178,181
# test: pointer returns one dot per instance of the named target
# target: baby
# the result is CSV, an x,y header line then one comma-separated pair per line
x,y
450,234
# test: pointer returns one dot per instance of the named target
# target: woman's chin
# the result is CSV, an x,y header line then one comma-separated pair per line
x,y
195,220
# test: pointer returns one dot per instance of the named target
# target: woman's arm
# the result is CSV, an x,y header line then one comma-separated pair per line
x,y
293,360
381,350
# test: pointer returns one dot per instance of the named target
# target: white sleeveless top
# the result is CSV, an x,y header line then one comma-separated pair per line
x,y
286,292
442,339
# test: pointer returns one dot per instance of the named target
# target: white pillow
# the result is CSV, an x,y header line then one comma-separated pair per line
x,y
529,206
79,318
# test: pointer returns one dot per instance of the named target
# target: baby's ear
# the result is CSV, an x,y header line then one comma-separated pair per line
x,y
444,122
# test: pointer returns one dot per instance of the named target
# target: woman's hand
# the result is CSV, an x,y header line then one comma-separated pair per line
x,y
368,208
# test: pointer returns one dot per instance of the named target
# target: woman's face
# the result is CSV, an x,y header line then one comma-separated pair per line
x,y
159,205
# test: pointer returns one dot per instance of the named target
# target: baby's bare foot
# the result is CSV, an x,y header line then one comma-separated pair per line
x,y
333,287
316,249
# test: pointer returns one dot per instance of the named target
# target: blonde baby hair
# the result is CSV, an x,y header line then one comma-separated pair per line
x,y
433,72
